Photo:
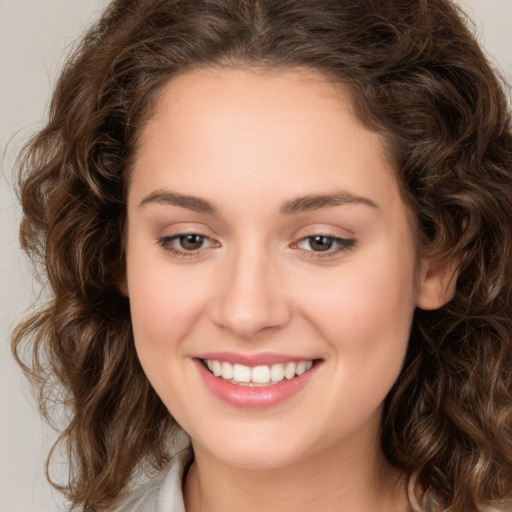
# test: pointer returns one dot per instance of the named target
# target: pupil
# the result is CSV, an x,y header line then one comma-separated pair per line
x,y
191,242
320,243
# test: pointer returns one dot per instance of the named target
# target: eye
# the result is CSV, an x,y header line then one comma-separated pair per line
x,y
325,245
191,242
320,243
186,244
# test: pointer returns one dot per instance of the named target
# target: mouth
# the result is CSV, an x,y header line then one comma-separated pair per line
x,y
257,376
256,381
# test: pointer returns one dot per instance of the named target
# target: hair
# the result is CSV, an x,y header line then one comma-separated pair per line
x,y
415,74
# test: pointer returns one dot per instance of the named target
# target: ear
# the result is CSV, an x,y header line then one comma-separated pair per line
x,y
437,282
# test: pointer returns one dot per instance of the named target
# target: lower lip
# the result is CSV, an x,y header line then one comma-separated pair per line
x,y
252,397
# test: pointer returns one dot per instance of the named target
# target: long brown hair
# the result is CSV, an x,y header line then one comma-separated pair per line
x,y
416,75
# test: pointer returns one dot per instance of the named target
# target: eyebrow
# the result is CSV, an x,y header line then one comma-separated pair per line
x,y
300,204
317,201
166,197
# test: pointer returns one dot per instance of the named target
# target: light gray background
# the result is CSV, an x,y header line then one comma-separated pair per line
x,y
35,35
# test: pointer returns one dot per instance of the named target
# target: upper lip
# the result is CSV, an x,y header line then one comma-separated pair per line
x,y
265,358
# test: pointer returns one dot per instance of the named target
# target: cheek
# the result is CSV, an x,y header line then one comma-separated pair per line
x,y
165,304
364,310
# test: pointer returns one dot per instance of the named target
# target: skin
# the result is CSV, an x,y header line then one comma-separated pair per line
x,y
247,141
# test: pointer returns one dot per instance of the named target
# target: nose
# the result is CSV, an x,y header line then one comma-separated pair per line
x,y
251,301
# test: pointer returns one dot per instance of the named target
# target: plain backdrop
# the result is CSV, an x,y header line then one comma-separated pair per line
x,y
35,35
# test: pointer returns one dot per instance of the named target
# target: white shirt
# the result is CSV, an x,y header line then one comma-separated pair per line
x,y
162,493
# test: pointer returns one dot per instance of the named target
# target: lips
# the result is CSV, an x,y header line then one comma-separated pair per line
x,y
257,381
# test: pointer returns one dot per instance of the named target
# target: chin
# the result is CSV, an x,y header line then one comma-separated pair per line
x,y
260,448
258,458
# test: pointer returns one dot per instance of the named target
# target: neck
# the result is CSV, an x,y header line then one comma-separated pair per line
x,y
341,478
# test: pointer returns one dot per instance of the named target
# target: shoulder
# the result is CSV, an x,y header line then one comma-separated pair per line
x,y
161,493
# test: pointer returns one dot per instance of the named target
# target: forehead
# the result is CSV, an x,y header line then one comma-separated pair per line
x,y
283,133
217,95
254,84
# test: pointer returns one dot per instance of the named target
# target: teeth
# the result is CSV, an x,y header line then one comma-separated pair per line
x,y
227,371
260,374
241,373
277,373
289,371
216,368
301,368
263,374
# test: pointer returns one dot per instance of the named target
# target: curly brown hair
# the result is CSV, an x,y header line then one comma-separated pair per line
x,y
416,75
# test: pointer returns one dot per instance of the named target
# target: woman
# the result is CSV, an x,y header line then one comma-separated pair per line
x,y
286,228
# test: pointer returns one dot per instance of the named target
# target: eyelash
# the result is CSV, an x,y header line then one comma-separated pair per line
x,y
343,245
166,243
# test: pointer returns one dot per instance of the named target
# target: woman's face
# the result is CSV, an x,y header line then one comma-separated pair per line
x,y
267,236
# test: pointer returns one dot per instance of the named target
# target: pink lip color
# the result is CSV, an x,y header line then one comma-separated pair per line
x,y
246,397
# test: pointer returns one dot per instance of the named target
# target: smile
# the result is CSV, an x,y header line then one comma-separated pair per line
x,y
255,382
256,376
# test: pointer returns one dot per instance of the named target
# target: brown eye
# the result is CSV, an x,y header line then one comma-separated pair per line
x,y
191,242
320,243
325,246
187,245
